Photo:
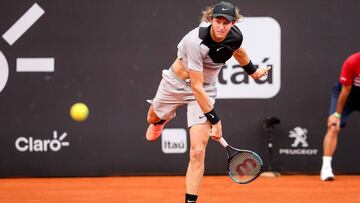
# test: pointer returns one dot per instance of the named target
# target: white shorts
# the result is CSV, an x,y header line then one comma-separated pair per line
x,y
174,92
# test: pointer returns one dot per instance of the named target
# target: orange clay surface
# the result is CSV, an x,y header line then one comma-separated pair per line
x,y
170,189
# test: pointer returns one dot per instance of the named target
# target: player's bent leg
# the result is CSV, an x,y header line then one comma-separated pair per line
x,y
199,136
151,116
156,125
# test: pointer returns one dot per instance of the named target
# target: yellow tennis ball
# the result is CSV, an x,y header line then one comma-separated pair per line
x,y
79,111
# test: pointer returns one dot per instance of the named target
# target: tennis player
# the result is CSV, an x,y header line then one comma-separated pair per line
x,y
345,99
191,80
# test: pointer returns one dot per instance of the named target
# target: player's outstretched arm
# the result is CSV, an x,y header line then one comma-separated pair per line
x,y
260,72
243,59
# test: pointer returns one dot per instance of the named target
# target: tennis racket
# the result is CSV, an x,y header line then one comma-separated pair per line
x,y
244,166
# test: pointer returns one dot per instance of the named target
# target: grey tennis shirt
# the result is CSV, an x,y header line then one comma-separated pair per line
x,y
199,52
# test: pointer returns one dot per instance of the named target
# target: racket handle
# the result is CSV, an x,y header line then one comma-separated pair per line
x,y
223,142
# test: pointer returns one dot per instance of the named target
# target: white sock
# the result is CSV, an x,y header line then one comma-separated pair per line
x,y
326,162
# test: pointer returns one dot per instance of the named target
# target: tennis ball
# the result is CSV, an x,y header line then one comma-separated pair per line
x,y
79,112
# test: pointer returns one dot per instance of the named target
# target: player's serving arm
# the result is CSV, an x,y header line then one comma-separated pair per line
x,y
243,59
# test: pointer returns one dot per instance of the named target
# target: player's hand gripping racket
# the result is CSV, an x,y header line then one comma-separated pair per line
x,y
244,166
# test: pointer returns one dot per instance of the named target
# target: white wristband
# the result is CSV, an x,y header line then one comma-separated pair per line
x,y
337,115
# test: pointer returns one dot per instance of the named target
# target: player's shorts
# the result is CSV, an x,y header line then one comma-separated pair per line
x,y
173,93
351,104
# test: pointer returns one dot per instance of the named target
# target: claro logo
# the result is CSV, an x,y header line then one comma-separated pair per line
x,y
30,144
19,28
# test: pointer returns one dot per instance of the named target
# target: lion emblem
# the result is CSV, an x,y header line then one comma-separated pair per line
x,y
300,135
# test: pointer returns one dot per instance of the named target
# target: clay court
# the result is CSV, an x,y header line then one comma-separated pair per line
x,y
77,79
169,189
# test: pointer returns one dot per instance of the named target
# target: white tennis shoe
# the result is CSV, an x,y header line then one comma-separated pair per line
x,y
326,174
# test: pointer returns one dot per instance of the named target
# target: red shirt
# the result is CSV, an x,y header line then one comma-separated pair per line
x,y
350,73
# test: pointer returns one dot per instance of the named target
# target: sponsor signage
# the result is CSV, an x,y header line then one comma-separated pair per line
x,y
174,141
262,41
31,144
299,145
32,64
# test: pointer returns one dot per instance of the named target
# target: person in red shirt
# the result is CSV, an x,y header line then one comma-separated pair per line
x,y
345,99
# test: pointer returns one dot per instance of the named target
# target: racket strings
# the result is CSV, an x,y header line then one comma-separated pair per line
x,y
244,167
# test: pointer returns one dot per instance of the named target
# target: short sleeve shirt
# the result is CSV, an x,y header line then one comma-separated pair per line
x,y
350,72
199,52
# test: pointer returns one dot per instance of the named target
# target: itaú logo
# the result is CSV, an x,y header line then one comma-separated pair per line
x,y
262,41
30,144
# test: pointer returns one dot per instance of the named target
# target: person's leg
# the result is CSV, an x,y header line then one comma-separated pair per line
x,y
151,116
199,136
329,147
156,124
331,139
161,110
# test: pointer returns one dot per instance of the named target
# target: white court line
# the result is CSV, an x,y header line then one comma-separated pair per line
x,y
35,64
23,24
